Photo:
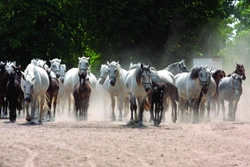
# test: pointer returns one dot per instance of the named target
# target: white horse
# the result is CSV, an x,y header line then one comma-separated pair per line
x,y
138,84
34,83
115,86
73,76
177,67
230,89
100,89
196,87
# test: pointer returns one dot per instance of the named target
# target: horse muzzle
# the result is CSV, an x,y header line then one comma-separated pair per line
x,y
58,75
147,88
112,81
27,99
101,81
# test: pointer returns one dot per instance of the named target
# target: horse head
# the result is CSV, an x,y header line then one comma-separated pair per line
x,y
83,66
237,82
55,66
2,70
182,66
62,70
103,74
113,71
240,70
144,76
204,76
218,75
28,88
9,67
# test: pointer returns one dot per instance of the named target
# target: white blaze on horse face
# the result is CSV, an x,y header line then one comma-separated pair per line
x,y
146,79
103,74
113,73
28,90
55,67
83,66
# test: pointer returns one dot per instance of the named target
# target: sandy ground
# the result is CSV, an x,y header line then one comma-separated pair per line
x,y
99,142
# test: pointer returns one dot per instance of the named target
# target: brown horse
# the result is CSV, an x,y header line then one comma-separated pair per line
x,y
217,76
240,70
52,94
81,95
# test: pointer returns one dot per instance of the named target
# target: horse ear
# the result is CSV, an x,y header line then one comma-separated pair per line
x,y
59,60
141,65
117,62
149,65
50,61
108,63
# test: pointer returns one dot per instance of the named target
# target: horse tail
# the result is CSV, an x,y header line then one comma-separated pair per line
x,y
176,94
45,106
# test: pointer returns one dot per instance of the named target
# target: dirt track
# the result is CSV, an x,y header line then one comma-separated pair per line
x,y
99,142
105,143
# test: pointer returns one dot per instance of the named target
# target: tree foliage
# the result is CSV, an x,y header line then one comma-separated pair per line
x,y
159,32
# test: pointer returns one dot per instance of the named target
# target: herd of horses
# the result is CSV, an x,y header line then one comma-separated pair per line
x,y
188,93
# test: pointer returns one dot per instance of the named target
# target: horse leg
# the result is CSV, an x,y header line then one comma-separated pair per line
x,y
141,104
234,110
126,106
33,110
174,111
54,106
151,112
5,108
26,106
49,101
113,118
223,108
230,108
120,106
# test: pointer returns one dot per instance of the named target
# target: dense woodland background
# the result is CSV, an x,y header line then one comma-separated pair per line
x,y
159,32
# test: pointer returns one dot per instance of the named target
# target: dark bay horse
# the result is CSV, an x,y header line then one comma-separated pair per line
x,y
160,93
81,93
52,93
240,70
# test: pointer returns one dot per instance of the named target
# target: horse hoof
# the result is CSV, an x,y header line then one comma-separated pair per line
x,y
131,122
28,119
12,120
113,119
40,121
32,123
140,123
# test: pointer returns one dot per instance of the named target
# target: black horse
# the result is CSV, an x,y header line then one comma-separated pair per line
x,y
14,93
3,83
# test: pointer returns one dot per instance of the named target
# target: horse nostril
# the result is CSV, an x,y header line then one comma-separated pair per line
x,y
28,99
57,75
147,89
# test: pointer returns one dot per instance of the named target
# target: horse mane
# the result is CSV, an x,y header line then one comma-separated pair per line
x,y
195,71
